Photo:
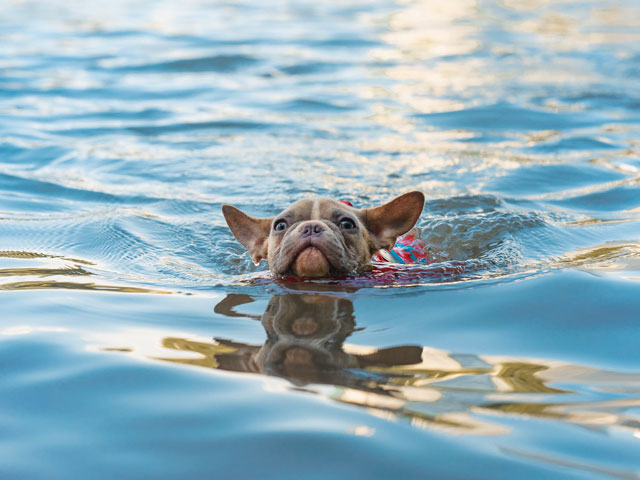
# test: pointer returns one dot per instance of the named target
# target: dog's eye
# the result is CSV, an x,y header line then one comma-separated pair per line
x,y
347,224
280,225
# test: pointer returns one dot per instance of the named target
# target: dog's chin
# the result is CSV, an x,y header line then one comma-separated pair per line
x,y
311,262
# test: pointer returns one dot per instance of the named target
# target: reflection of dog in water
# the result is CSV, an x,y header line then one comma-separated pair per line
x,y
305,337
433,388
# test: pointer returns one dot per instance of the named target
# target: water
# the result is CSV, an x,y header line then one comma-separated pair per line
x,y
138,339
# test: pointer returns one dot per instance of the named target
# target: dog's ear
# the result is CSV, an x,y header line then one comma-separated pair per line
x,y
251,232
393,219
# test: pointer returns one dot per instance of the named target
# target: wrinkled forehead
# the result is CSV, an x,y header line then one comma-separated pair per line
x,y
317,209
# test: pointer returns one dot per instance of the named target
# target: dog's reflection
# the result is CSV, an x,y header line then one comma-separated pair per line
x,y
305,341
305,345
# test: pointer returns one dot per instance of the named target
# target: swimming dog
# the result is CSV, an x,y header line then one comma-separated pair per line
x,y
319,237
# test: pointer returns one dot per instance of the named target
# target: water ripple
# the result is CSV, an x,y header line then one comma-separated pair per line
x,y
215,63
506,117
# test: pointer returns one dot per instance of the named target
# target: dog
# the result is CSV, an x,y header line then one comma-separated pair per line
x,y
320,237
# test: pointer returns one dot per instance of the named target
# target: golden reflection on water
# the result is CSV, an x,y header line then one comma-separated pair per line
x,y
614,257
34,285
43,276
18,254
41,272
431,388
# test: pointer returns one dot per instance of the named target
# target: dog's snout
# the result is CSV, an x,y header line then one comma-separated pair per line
x,y
311,229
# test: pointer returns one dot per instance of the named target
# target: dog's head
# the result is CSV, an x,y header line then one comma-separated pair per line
x,y
319,237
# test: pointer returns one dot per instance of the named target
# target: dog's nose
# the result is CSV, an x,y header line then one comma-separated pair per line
x,y
311,229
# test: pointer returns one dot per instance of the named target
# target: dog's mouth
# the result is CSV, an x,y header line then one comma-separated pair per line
x,y
313,257
311,262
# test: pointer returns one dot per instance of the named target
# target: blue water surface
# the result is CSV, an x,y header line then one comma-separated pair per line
x,y
138,340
